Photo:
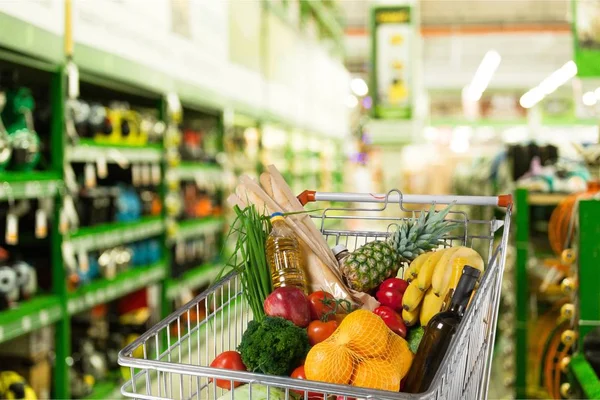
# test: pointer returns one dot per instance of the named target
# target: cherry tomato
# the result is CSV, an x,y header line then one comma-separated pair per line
x,y
321,303
299,374
319,331
228,360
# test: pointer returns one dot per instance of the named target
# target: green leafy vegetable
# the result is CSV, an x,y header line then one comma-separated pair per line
x,y
414,338
273,346
249,257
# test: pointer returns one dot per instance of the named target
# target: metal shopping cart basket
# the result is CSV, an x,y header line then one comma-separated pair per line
x,y
171,360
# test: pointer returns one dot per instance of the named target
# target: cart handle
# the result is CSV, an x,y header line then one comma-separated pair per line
x,y
308,196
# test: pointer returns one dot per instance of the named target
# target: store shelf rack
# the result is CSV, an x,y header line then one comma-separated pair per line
x,y
114,234
105,290
193,279
88,151
194,228
29,185
29,316
43,51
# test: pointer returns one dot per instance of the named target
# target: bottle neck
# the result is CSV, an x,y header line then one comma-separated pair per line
x,y
464,290
458,309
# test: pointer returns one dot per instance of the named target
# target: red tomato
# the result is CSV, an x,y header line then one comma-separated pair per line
x,y
228,360
299,374
321,303
319,331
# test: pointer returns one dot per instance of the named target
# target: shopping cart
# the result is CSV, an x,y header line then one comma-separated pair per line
x,y
171,360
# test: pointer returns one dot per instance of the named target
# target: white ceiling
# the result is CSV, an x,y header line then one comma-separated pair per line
x,y
455,12
450,59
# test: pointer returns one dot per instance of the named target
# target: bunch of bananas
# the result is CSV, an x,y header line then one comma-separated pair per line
x,y
431,276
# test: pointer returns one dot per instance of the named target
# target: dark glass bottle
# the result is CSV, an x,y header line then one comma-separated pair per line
x,y
438,335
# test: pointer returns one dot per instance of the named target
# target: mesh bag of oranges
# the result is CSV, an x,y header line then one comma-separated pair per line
x,y
362,352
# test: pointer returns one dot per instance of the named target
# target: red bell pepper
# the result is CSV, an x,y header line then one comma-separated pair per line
x,y
390,293
392,319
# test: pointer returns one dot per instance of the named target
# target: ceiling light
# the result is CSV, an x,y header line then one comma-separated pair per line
x,y
589,99
531,98
558,78
351,101
359,87
549,85
483,76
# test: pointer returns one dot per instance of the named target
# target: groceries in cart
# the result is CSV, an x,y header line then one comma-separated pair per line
x,y
379,317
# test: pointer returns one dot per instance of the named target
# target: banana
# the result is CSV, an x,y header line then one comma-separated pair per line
x,y
431,305
412,297
426,273
417,264
411,317
439,272
452,271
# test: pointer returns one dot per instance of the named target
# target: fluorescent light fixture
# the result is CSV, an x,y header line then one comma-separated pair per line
x,y
483,76
359,87
351,101
549,85
589,99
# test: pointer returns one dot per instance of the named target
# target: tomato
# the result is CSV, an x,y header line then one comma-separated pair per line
x,y
228,360
319,331
299,374
321,303
390,293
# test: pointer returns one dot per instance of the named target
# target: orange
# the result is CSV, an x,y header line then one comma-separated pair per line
x,y
328,362
377,374
399,354
364,333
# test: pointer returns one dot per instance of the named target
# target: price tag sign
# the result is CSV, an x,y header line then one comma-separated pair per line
x,y
135,175
102,167
41,223
146,175
155,174
90,175
12,228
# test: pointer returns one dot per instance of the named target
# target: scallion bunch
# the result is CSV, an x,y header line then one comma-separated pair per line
x,y
249,259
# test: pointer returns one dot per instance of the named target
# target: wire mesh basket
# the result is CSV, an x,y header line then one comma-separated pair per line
x,y
171,360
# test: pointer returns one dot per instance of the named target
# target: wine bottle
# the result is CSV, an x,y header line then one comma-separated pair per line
x,y
439,333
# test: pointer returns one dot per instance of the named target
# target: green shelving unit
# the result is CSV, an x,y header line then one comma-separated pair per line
x,y
193,279
41,50
588,318
105,290
29,316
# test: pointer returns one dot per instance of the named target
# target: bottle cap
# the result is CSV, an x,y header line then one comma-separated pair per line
x,y
276,216
337,249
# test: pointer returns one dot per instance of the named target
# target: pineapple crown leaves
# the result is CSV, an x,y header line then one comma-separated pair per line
x,y
422,234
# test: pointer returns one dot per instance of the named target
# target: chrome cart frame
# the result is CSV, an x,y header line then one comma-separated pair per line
x,y
171,360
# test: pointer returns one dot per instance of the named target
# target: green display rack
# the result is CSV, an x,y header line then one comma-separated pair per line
x,y
524,200
588,249
43,51
585,382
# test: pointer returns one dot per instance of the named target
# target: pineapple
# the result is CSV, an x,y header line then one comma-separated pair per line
x,y
369,265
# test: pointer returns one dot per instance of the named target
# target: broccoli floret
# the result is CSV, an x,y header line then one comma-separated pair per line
x,y
274,346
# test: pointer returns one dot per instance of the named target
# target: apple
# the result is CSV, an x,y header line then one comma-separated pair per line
x,y
290,303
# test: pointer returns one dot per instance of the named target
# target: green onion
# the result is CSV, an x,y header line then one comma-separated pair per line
x,y
249,258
